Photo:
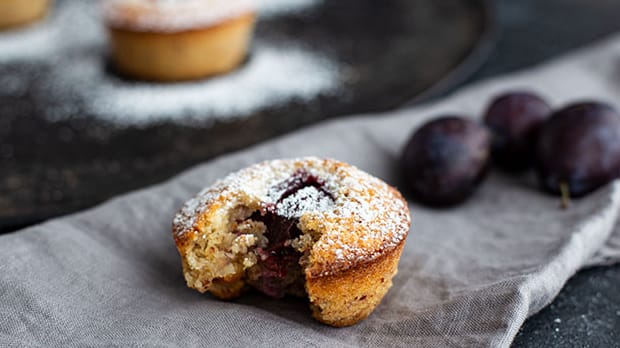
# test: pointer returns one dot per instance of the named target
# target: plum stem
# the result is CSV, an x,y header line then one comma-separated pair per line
x,y
565,192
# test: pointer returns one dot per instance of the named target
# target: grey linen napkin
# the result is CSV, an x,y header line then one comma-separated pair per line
x,y
468,276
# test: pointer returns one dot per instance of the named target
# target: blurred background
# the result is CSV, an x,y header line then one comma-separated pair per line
x,y
74,132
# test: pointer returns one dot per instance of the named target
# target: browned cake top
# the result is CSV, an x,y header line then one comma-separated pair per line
x,y
172,15
364,219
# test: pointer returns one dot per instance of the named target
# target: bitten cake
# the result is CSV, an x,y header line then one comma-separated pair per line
x,y
173,40
308,227
21,12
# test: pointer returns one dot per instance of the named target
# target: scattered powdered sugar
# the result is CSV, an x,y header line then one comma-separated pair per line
x,y
35,41
265,80
365,219
31,42
72,43
72,24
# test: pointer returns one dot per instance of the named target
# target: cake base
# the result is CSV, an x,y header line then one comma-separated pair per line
x,y
185,55
15,13
346,298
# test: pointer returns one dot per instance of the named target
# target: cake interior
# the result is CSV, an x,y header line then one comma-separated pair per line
x,y
260,244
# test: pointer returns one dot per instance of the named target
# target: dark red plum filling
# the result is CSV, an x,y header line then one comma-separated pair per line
x,y
279,272
299,180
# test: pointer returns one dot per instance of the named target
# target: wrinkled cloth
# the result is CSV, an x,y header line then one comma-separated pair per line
x,y
469,276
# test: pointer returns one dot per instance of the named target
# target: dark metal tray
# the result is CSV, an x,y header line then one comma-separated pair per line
x,y
56,156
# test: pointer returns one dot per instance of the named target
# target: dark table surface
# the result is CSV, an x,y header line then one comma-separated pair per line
x,y
587,311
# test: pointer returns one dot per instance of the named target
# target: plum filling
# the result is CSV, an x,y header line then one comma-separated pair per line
x,y
278,271
278,266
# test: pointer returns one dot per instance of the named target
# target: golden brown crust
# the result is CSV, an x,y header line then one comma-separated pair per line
x,y
325,260
21,12
345,298
227,288
184,55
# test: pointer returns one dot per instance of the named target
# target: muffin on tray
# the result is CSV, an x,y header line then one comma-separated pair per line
x,y
174,40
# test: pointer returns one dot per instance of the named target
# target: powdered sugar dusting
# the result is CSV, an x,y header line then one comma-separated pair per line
x,y
365,218
265,80
77,61
45,39
307,199
31,42
51,38
172,15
